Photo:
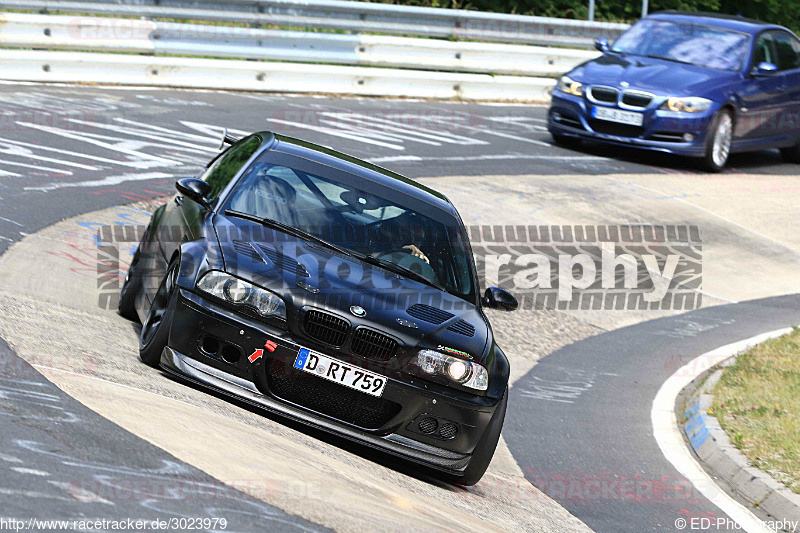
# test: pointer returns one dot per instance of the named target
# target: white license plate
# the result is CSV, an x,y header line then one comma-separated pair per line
x,y
618,115
340,372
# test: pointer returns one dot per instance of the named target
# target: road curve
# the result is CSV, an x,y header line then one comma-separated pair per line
x,y
581,427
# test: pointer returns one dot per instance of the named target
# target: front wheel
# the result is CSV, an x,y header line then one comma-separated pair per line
x,y
484,450
718,145
155,330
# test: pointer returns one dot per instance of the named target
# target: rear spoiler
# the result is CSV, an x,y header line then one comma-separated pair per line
x,y
228,139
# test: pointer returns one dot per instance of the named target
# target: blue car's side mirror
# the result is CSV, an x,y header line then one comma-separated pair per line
x,y
601,43
765,69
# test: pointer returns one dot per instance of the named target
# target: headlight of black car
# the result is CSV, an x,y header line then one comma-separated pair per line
x,y
237,291
439,365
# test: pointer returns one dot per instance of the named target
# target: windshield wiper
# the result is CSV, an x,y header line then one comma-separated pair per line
x,y
670,59
297,232
286,228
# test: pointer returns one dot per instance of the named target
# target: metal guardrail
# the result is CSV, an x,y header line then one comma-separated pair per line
x,y
196,73
165,38
317,62
349,16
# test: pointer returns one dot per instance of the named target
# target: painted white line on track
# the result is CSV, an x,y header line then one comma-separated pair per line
x,y
89,138
403,128
136,164
37,167
670,438
214,140
487,157
164,141
105,182
335,132
16,150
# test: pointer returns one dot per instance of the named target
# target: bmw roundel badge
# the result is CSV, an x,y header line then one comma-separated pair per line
x,y
357,310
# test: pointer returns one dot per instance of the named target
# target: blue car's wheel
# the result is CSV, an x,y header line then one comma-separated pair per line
x,y
718,145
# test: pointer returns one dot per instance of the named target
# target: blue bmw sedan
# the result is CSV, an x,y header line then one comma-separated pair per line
x,y
691,84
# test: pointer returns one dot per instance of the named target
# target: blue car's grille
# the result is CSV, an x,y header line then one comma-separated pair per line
x,y
604,94
636,99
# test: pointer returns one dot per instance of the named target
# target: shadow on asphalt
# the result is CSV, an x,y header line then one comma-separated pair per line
x,y
763,162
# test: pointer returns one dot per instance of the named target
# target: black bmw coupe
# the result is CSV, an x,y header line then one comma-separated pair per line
x,y
331,291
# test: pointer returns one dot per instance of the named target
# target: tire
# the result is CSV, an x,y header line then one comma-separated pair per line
x,y
130,289
484,450
718,144
566,141
791,154
155,330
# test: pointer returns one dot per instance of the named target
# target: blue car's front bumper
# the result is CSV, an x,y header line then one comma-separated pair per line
x,y
662,131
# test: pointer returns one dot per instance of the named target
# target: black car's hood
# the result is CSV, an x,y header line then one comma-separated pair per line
x,y
653,75
308,275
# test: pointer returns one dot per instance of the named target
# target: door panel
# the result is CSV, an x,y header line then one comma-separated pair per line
x,y
761,96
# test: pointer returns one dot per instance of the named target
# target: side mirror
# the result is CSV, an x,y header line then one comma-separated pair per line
x,y
601,43
194,189
765,69
497,298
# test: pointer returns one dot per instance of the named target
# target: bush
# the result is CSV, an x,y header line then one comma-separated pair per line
x,y
775,11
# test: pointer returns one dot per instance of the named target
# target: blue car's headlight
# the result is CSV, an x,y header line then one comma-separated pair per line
x,y
240,292
570,86
466,373
686,104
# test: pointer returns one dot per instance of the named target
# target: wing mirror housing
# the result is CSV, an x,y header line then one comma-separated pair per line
x,y
497,298
194,189
765,69
601,43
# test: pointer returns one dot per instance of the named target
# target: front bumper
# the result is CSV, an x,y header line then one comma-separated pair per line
x,y
394,430
661,131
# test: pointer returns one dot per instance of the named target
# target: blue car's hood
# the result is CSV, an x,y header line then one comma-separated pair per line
x,y
661,77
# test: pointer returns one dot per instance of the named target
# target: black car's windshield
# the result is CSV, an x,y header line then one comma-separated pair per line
x,y
696,44
354,213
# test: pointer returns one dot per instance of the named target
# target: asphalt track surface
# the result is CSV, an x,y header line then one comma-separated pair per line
x,y
66,151
577,424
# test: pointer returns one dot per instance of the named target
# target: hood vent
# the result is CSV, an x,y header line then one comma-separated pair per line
x,y
462,327
284,262
247,250
278,259
429,314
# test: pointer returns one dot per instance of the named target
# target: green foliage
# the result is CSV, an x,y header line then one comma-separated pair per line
x,y
783,12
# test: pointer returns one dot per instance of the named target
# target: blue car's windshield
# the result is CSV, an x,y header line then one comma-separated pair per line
x,y
696,44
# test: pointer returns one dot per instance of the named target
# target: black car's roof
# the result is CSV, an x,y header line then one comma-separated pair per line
x,y
358,167
720,20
